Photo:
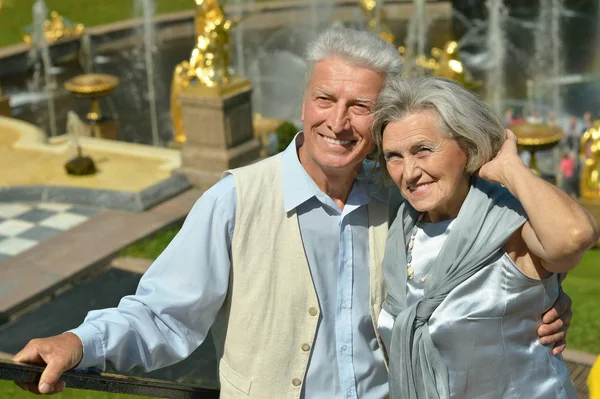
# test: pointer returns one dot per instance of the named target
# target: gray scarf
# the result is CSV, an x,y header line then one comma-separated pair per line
x,y
486,220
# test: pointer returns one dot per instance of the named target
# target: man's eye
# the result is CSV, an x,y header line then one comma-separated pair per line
x,y
424,150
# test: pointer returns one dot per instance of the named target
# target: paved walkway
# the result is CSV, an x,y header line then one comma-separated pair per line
x,y
24,225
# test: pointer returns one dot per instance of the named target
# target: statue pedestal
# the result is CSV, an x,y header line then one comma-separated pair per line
x,y
5,106
219,135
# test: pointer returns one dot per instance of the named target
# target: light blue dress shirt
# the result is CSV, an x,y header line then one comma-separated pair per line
x,y
178,298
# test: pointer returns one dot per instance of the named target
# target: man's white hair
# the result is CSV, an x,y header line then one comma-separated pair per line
x,y
359,48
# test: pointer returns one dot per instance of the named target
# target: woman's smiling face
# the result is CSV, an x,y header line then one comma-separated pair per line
x,y
426,164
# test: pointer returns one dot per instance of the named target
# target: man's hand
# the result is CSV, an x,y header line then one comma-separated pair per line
x,y
555,324
60,353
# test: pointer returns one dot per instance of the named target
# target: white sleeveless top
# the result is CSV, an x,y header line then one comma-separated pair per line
x,y
486,328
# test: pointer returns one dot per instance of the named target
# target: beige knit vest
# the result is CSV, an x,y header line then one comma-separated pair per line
x,y
266,328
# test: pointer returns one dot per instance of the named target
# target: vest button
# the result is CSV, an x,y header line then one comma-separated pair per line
x,y
296,382
312,311
305,347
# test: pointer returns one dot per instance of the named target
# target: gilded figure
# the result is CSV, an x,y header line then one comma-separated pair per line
x,y
182,75
211,57
376,23
589,150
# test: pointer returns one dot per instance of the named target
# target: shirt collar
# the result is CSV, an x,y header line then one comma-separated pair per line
x,y
299,187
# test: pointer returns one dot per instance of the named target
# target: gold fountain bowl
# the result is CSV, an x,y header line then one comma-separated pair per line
x,y
537,135
92,84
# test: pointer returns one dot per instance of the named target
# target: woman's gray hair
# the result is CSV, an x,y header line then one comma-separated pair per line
x,y
359,48
469,121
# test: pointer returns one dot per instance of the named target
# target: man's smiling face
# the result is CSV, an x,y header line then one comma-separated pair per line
x,y
338,114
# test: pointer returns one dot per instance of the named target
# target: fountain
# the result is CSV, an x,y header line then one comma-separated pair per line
x,y
416,39
81,165
85,56
40,44
95,86
148,7
547,67
496,40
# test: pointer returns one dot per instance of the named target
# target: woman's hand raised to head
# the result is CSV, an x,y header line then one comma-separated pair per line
x,y
507,160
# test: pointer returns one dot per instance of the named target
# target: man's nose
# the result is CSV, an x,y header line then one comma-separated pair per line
x,y
339,119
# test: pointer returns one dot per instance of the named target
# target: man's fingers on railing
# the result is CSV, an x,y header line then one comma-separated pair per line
x,y
49,381
30,353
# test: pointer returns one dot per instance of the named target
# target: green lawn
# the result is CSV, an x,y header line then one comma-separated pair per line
x,y
8,390
583,286
16,14
150,247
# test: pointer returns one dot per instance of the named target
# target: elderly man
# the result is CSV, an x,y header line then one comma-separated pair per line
x,y
281,259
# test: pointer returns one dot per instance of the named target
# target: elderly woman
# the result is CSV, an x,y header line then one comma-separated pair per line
x,y
473,258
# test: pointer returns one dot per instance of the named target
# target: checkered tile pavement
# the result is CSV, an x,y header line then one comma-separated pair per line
x,y
24,225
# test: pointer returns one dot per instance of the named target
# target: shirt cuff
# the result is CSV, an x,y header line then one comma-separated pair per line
x,y
94,355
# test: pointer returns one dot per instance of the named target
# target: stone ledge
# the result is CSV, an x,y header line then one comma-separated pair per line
x,y
109,199
583,358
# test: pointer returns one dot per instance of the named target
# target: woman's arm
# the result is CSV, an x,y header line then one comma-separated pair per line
x,y
559,230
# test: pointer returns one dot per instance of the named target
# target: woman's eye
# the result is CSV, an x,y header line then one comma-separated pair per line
x,y
361,109
392,157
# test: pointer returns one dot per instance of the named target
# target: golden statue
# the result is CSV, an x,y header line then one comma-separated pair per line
x,y
445,63
209,61
212,54
57,28
182,76
589,149
376,24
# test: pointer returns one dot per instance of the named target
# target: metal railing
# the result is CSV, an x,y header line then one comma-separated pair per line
x,y
105,382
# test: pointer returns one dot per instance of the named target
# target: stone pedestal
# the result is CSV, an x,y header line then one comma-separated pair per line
x,y
218,129
5,107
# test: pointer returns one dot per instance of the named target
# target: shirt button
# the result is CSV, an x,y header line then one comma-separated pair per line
x,y
344,348
312,311
296,382
349,393
345,304
305,347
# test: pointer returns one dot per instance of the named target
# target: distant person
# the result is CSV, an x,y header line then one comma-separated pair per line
x,y
508,117
567,168
570,141
473,257
281,259
551,120
587,122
